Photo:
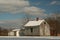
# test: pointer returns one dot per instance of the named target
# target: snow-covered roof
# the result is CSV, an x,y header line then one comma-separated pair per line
x,y
16,30
34,23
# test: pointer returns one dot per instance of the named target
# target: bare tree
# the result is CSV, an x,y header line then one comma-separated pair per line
x,y
54,22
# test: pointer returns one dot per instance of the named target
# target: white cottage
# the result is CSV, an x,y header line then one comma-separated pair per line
x,y
37,28
15,32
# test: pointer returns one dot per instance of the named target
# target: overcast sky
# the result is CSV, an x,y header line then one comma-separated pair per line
x,y
12,12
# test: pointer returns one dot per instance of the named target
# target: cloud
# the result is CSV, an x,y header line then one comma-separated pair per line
x,y
12,6
1,22
12,23
35,11
36,3
19,6
55,3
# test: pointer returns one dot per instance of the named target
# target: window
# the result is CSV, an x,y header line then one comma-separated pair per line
x,y
44,22
31,29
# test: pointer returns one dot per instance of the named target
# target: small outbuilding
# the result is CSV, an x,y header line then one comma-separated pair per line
x,y
37,28
15,32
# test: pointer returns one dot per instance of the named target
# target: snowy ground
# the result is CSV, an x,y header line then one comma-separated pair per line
x,y
28,37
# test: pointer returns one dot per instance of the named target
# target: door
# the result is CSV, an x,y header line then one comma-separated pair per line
x,y
14,33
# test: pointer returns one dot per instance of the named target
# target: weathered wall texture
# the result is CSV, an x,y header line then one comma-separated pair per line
x,y
34,33
42,30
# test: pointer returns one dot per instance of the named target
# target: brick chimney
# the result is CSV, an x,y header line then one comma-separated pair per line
x,y
37,19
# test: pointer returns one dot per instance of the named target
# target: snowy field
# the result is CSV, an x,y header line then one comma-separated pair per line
x,y
28,38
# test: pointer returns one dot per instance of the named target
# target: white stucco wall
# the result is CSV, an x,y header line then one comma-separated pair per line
x,y
11,33
47,29
17,33
44,29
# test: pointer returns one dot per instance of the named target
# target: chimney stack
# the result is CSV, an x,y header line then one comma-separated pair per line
x,y
37,19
